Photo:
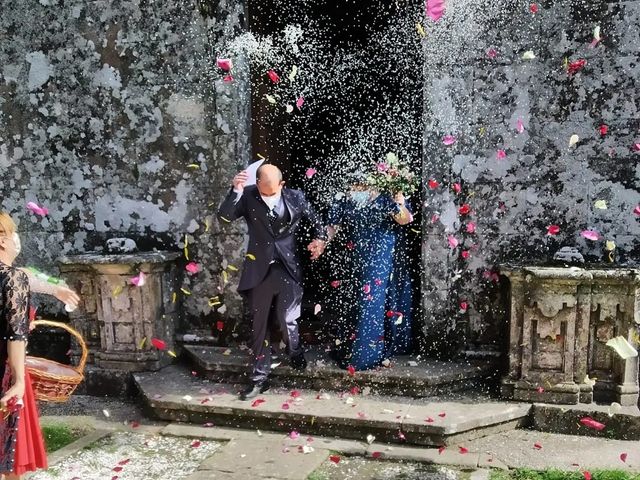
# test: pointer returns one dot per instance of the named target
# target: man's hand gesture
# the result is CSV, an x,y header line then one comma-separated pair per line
x,y
239,180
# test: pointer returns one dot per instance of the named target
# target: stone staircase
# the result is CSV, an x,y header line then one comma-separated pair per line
x,y
176,394
414,402
407,376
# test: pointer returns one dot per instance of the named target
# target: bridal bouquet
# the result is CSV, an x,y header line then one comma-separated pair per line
x,y
392,177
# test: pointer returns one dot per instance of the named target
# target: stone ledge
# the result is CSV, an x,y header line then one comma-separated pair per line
x,y
426,378
175,395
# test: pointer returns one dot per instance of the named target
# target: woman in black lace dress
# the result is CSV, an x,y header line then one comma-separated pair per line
x,y
14,326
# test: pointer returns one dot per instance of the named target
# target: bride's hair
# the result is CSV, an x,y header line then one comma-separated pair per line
x,y
7,225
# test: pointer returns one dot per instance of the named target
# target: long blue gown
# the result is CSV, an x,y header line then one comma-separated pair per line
x,y
371,286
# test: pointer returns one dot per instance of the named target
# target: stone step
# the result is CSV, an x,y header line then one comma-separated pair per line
x,y
175,394
407,376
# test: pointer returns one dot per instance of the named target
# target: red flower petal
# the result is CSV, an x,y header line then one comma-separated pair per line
x,y
376,454
575,67
587,475
537,446
433,184
429,420
159,344
533,8
295,393
443,414
124,462
273,76
351,370
623,457
257,402
334,458
603,129
553,230
441,449
464,209
285,406
463,450
117,469
219,325
591,423
196,444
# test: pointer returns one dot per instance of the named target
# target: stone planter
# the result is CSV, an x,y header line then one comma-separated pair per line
x,y
118,319
561,320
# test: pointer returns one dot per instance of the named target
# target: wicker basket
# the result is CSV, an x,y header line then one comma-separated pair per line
x,y
53,381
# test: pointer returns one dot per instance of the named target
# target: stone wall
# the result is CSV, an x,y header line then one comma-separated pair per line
x,y
114,116
542,180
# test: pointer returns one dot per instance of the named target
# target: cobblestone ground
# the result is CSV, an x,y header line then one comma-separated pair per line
x,y
132,456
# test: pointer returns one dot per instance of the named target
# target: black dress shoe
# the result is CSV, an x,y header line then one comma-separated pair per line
x,y
299,362
253,390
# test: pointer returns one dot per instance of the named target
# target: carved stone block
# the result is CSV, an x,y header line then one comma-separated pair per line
x,y
119,319
561,320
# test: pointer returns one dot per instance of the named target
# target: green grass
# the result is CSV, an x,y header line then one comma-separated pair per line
x,y
551,474
57,436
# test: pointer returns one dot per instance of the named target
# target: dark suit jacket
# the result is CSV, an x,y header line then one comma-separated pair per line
x,y
263,241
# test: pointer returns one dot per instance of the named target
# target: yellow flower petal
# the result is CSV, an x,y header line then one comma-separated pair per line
x,y
174,297
170,352
193,165
232,268
185,291
206,224
117,290
142,342
225,219
420,30
251,256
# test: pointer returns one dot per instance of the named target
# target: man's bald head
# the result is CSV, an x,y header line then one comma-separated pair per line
x,y
269,180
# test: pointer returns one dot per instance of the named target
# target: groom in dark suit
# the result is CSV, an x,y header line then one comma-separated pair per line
x,y
271,277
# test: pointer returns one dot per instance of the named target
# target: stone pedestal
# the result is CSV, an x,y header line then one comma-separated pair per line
x,y
561,320
119,319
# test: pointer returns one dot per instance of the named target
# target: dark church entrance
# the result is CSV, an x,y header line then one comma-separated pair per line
x,y
367,103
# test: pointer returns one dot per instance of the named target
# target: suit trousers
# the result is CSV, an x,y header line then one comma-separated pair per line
x,y
276,300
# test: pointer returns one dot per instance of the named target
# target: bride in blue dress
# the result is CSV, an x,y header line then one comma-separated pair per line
x,y
371,292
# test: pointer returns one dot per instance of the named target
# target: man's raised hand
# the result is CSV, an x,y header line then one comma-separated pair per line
x,y
239,180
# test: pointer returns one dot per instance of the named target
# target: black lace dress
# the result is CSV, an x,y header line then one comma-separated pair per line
x,y
14,322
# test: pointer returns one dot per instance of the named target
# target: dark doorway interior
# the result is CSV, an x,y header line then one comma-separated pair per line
x,y
313,137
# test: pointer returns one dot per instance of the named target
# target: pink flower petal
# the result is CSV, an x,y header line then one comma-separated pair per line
x,y
636,211
224,63
453,241
300,102
520,126
139,280
590,235
553,230
492,53
635,148
471,227
434,9
294,435
501,154
310,172
227,78
448,140
38,210
192,267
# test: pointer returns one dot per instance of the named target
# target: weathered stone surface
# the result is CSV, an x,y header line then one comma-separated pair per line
x,y
560,322
174,394
127,316
623,425
421,377
259,459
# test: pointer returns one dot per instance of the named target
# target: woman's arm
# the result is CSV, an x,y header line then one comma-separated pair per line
x,y
60,291
16,293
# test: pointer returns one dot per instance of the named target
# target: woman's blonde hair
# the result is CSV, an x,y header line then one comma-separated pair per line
x,y
7,225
